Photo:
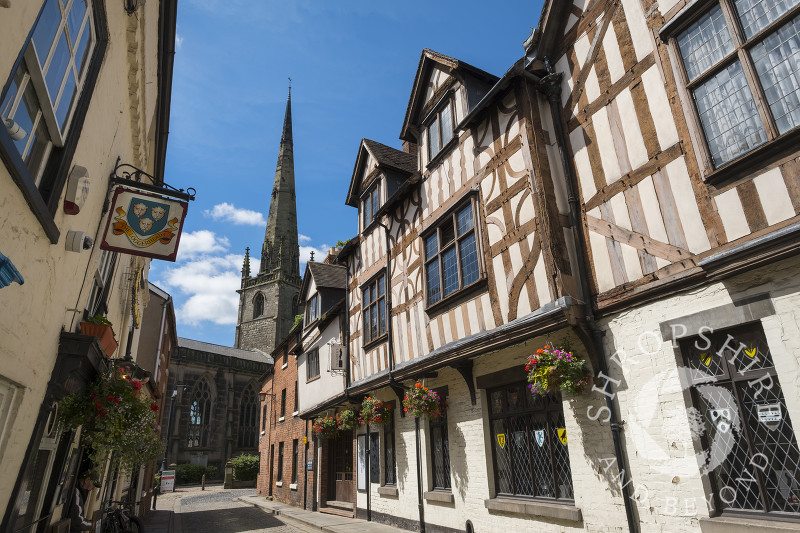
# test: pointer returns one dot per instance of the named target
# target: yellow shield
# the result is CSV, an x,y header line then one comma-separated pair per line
x,y
562,435
501,439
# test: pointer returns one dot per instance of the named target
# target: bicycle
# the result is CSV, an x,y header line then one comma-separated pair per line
x,y
119,519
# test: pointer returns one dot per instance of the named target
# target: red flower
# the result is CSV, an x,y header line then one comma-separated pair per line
x,y
154,407
136,384
418,385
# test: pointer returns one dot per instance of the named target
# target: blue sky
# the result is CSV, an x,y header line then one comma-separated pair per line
x,y
352,64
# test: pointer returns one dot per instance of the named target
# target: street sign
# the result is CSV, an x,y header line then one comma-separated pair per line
x,y
310,464
167,481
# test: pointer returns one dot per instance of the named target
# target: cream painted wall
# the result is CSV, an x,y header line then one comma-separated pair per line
x,y
327,385
57,282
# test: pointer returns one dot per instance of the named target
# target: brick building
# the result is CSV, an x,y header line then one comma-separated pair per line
x,y
285,437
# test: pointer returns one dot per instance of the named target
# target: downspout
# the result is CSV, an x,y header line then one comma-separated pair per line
x,y
305,469
551,88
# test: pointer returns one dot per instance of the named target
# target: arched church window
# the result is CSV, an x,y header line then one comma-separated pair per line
x,y
199,415
248,418
258,305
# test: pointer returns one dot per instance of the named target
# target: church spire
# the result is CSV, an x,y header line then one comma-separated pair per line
x,y
281,233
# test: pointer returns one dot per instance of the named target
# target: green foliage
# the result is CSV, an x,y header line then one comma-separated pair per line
x,y
245,467
297,320
421,401
117,420
375,412
156,479
340,244
212,472
188,473
326,427
552,369
347,419
98,319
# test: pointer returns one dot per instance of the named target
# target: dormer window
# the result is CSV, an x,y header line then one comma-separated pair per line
x,y
440,130
312,309
371,204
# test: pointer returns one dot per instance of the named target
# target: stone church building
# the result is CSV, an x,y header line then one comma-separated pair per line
x,y
267,305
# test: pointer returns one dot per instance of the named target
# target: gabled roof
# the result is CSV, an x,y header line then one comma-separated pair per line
x,y
326,276
388,159
416,100
247,355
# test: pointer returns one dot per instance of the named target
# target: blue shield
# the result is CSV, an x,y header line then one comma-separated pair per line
x,y
539,434
147,217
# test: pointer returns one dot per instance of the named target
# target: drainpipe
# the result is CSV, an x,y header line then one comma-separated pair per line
x,y
550,86
305,470
367,450
420,503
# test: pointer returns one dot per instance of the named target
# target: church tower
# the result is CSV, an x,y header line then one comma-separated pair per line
x,y
267,300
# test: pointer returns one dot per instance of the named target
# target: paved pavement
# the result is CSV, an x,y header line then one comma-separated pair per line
x,y
216,510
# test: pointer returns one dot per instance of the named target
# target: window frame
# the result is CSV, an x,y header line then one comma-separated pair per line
x,y
312,357
552,404
776,144
258,305
313,309
296,397
366,306
389,451
434,118
44,199
734,378
434,227
370,203
295,454
440,423
279,473
283,403
199,432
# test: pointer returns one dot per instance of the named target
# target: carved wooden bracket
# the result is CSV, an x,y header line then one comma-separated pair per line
x,y
465,369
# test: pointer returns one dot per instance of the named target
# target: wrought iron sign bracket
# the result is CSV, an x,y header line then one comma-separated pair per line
x,y
465,369
129,175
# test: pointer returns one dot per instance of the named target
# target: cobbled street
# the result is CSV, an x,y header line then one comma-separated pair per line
x,y
216,510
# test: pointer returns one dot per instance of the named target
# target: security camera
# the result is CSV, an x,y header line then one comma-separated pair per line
x,y
14,129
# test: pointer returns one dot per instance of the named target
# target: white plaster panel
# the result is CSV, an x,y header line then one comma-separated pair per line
x,y
515,254
730,210
631,259
488,316
581,48
620,209
472,312
637,25
570,22
468,147
527,212
562,65
595,213
493,231
605,144
580,4
460,333
582,165
542,281
657,99
434,325
616,68
686,203
446,329
592,86
665,5
501,282
774,196
489,187
516,163
637,153
602,263
652,210
523,302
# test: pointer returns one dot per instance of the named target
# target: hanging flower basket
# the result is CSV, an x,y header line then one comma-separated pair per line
x,y
552,369
326,427
116,420
347,419
375,412
421,401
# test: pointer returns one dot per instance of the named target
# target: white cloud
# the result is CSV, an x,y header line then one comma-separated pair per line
x,y
210,283
230,213
178,42
303,238
319,254
201,242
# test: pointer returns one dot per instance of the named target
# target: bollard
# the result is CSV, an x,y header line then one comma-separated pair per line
x,y
203,482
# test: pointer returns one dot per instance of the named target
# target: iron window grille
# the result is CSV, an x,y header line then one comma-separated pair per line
x,y
440,450
371,204
374,297
451,254
279,476
258,305
529,444
739,408
283,403
440,129
740,65
374,458
199,415
389,458
248,418
312,365
295,453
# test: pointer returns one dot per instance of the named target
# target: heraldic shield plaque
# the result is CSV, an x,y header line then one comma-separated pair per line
x,y
146,224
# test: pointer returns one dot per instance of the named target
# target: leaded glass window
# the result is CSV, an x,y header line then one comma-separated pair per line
x,y
741,59
248,418
371,204
743,422
529,444
389,459
440,129
440,450
312,365
451,254
374,294
199,415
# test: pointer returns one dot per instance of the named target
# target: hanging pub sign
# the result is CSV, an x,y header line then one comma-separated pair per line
x,y
145,224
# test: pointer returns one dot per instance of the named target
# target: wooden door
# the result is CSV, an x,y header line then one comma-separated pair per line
x,y
340,468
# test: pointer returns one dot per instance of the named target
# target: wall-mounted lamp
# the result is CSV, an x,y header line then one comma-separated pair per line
x,y
131,5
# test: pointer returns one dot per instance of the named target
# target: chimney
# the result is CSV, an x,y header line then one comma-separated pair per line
x,y
410,148
333,253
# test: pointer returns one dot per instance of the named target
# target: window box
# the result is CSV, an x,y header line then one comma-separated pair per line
x,y
440,496
104,333
557,511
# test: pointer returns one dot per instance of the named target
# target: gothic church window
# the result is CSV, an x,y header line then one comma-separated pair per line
x,y
740,65
248,418
258,305
199,415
